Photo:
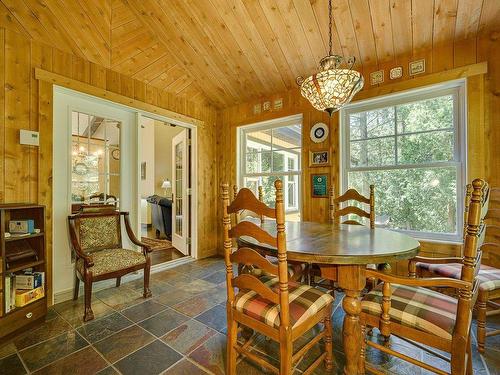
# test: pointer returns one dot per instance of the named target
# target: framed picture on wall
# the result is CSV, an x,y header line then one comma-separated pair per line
x,y
319,158
319,185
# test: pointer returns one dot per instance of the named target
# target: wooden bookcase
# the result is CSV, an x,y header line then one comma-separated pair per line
x,y
21,317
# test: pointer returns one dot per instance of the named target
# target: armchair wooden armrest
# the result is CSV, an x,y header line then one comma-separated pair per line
x,y
131,235
424,281
87,259
490,247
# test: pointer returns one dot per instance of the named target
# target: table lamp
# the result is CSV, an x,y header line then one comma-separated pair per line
x,y
166,185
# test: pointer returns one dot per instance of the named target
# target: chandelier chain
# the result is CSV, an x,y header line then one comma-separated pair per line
x,y
330,25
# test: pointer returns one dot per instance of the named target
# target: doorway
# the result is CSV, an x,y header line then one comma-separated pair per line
x,y
165,189
97,160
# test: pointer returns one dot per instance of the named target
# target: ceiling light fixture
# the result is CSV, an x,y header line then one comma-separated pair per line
x,y
333,86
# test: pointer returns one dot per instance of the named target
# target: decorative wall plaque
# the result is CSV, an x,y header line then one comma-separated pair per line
x,y
376,77
319,185
396,72
319,132
417,67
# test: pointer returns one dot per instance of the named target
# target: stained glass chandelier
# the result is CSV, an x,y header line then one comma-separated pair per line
x,y
335,84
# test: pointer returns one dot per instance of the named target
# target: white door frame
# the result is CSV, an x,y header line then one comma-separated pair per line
x,y
136,171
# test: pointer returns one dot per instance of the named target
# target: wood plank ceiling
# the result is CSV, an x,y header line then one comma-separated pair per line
x,y
229,51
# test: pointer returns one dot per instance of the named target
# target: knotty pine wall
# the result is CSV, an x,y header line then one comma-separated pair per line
x,y
26,103
483,122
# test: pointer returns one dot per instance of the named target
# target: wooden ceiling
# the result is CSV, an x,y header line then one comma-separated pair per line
x,y
229,51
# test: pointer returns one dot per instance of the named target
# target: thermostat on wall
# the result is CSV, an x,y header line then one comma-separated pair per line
x,y
28,137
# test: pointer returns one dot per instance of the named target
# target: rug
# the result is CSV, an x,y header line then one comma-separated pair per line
x,y
157,244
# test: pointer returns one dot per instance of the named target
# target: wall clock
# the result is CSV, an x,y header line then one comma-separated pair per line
x,y
319,132
115,154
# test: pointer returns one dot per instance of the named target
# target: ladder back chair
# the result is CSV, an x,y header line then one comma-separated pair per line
x,y
407,308
95,234
270,304
488,275
297,271
352,195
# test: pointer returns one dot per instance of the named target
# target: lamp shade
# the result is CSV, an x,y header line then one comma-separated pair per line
x,y
166,184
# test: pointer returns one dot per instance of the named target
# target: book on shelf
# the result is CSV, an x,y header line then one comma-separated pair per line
x,y
29,280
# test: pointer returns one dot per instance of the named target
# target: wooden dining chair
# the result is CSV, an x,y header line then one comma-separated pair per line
x,y
358,207
95,234
272,305
407,308
297,271
488,276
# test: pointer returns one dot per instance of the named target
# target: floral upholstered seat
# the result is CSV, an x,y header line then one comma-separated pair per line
x,y
111,260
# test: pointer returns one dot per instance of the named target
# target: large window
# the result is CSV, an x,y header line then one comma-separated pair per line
x,y
412,148
269,152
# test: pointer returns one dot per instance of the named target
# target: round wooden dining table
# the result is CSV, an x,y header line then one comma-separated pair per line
x,y
342,252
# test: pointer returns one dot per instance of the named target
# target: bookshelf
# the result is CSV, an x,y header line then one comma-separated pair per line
x,y
17,254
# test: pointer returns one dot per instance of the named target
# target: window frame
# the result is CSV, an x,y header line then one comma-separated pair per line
x,y
241,160
455,88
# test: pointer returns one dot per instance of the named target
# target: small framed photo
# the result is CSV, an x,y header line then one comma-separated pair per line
x,y
319,158
319,185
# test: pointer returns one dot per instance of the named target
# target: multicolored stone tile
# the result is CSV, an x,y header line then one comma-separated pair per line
x,y
151,359
188,336
214,318
143,310
99,329
216,278
117,346
83,362
212,354
47,330
163,322
12,365
119,298
171,298
108,371
7,349
51,350
196,305
72,311
186,367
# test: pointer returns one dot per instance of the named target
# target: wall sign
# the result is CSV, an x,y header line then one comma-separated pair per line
x,y
319,158
417,67
319,132
396,72
319,185
377,77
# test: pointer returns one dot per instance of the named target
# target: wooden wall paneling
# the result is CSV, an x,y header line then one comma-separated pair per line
x,y
147,57
113,81
345,28
99,14
445,14
45,124
97,75
9,22
478,150
41,57
62,62
382,30
2,117
127,86
17,116
80,69
139,90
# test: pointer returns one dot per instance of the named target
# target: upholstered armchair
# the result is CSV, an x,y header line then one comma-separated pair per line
x,y
96,239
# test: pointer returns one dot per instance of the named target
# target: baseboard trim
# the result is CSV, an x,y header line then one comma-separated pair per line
x,y
67,294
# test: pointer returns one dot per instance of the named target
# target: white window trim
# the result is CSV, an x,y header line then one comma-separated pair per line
x,y
241,160
457,87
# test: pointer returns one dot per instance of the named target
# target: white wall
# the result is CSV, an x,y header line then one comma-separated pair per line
x,y
148,155
164,133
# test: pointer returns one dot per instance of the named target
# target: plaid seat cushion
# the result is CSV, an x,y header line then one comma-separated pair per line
x,y
305,301
489,277
419,308
110,260
295,269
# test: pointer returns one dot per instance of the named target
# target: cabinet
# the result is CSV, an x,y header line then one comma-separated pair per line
x,y
20,253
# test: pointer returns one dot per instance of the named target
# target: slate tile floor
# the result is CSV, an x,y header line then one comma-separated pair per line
x,y
181,330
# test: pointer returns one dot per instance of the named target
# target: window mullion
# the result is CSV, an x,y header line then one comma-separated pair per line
x,y
395,136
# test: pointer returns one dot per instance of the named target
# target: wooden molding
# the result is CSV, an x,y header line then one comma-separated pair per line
x,y
73,84
430,79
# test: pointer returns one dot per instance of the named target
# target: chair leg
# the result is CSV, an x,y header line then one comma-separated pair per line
x,y
286,351
232,336
362,354
147,271
469,370
482,301
157,234
76,291
88,313
118,281
328,339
